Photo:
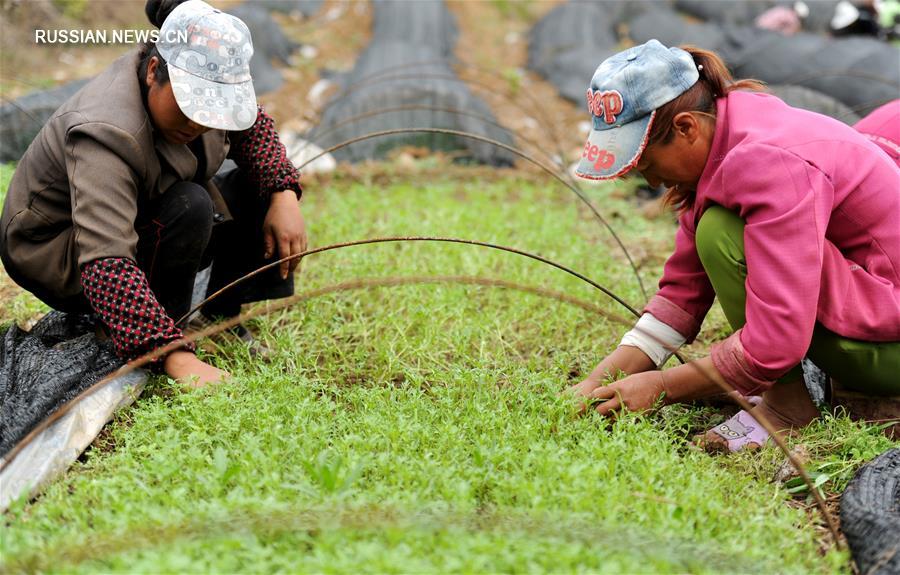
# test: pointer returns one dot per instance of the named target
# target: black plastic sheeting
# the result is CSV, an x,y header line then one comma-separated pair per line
x,y
671,29
408,64
800,97
570,41
305,7
269,45
739,12
568,44
870,515
745,12
22,118
852,76
862,73
416,23
42,369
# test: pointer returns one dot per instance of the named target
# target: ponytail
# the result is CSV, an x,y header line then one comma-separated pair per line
x,y
715,82
157,11
716,76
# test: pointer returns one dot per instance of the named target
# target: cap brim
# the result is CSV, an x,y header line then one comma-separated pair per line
x,y
609,154
213,104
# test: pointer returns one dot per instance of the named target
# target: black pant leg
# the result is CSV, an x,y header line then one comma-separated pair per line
x,y
173,234
237,248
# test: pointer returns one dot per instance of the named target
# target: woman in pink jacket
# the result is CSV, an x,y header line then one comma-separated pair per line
x,y
790,218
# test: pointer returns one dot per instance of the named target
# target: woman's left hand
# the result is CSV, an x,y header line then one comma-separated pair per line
x,y
285,229
636,392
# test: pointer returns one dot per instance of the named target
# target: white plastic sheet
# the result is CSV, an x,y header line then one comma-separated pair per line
x,y
52,451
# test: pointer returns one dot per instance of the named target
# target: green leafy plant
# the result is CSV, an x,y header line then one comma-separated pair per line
x,y
420,428
330,473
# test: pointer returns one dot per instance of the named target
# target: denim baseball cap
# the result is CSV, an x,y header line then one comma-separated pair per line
x,y
208,56
624,94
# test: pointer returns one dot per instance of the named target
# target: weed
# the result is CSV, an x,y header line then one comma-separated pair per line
x,y
6,173
512,9
71,8
513,79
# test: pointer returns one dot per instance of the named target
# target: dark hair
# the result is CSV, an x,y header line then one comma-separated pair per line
x,y
157,11
715,82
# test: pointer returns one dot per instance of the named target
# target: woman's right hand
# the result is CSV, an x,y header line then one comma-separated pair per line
x,y
624,358
185,367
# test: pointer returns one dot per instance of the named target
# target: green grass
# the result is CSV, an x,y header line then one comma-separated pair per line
x,y
515,9
71,8
15,305
419,428
6,174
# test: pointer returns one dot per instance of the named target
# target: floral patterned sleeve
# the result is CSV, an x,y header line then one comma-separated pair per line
x,y
118,291
259,151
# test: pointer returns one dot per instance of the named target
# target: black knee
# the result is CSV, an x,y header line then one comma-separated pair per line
x,y
176,226
188,207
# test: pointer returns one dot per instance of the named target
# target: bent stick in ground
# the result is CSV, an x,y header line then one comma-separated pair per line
x,y
222,326
341,245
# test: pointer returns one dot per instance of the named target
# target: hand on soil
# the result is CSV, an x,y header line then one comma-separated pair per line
x,y
582,391
636,392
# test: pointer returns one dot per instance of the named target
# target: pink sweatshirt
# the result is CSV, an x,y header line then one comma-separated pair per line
x,y
821,204
882,126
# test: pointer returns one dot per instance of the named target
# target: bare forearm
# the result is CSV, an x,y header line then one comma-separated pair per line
x,y
694,380
624,358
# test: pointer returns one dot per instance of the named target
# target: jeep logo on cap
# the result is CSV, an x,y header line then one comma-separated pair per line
x,y
606,104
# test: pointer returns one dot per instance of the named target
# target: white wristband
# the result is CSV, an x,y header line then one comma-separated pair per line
x,y
655,338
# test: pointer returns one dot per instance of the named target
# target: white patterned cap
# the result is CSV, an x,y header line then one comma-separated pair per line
x,y
208,56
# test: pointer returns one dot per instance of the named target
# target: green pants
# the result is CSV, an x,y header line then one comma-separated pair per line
x,y
867,367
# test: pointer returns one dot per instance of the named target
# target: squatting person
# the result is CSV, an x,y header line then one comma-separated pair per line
x,y
790,218
115,205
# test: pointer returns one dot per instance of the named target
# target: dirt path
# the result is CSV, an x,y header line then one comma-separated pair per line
x,y
519,98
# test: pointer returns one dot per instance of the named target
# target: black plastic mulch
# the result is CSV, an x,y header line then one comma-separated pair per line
x,y
870,515
570,41
269,45
745,12
801,97
844,78
407,67
861,72
21,119
305,7
42,369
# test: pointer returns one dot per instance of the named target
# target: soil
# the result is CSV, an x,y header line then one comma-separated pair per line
x,y
497,72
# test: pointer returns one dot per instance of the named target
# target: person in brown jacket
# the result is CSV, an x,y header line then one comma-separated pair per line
x,y
116,205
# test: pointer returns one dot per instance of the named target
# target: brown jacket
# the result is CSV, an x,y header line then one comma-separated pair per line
x,y
75,193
